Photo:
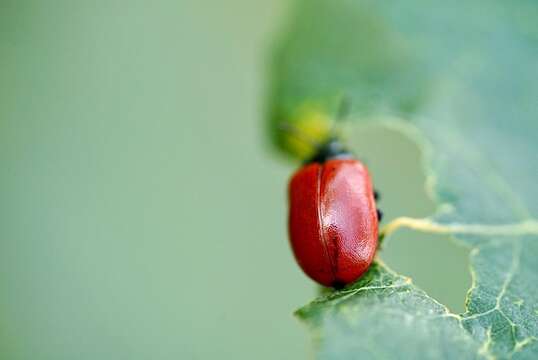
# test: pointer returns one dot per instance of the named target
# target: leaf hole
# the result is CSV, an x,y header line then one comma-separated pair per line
x,y
436,264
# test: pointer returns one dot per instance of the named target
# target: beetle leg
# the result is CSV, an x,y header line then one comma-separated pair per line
x,y
377,196
338,285
379,215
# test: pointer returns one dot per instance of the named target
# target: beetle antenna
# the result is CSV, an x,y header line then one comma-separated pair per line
x,y
297,133
343,109
342,113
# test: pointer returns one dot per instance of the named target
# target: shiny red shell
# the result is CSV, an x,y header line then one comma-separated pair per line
x,y
333,224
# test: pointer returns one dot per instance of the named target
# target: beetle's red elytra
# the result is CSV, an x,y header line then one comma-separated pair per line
x,y
333,220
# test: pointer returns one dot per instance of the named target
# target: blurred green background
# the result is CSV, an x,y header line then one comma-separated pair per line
x,y
142,212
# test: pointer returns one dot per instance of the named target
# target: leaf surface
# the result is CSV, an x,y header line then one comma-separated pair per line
x,y
461,78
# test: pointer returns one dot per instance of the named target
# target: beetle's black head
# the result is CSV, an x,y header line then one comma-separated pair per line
x,y
329,150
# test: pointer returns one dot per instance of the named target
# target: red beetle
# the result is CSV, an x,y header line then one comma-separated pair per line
x,y
333,220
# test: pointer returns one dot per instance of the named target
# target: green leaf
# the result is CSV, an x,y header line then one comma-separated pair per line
x,y
384,316
461,78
